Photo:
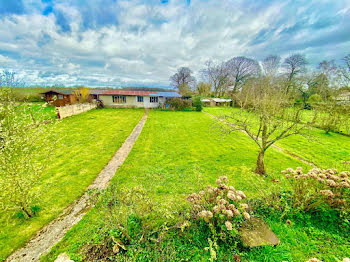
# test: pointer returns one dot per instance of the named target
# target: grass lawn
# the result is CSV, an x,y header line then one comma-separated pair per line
x,y
88,142
179,153
325,150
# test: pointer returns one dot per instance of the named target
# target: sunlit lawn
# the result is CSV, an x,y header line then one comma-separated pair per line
x,y
87,143
179,153
325,150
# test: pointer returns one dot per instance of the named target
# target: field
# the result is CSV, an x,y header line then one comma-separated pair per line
x,y
181,152
325,150
86,144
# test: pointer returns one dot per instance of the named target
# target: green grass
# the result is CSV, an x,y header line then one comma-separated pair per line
x,y
179,153
87,143
325,150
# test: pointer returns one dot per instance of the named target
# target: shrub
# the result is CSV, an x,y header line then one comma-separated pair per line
x,y
319,188
198,104
178,103
219,208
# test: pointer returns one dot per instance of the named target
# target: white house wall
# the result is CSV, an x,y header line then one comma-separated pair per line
x,y
131,101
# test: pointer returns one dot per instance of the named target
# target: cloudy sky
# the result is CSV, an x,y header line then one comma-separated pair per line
x,y
119,42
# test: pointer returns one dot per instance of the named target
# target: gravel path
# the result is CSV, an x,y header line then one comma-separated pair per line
x,y
51,234
274,146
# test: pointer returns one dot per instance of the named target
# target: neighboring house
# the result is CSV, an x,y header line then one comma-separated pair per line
x,y
60,97
216,101
95,93
127,98
343,97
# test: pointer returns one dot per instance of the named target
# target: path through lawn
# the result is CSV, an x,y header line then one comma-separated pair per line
x,y
54,232
88,142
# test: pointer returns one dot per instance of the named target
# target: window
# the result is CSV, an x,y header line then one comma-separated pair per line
x,y
119,99
153,99
140,99
60,96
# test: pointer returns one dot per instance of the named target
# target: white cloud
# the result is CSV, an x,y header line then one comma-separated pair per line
x,y
151,40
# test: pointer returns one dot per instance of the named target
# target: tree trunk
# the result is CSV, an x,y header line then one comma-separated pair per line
x,y
27,212
260,166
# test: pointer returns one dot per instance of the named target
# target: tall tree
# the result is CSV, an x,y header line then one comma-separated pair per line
x,y
241,69
294,65
271,64
204,89
183,77
265,116
218,76
345,71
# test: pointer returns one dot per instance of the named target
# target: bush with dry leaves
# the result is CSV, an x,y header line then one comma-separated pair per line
x,y
221,209
318,188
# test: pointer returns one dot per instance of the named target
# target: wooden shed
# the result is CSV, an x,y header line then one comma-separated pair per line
x,y
60,97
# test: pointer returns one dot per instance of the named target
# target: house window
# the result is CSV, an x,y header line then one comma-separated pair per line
x,y
119,99
153,99
140,99
60,96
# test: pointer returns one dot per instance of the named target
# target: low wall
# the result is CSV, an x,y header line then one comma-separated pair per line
x,y
70,110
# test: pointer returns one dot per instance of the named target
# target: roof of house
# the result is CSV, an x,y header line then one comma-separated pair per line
x,y
61,92
96,91
141,93
127,92
168,94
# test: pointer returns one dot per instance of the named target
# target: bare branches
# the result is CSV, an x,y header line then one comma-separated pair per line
x,y
271,65
267,115
183,77
295,64
242,68
218,76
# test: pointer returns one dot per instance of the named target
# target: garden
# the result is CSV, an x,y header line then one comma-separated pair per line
x,y
146,213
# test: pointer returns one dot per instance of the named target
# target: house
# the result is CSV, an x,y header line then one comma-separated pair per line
x,y
343,97
128,98
60,97
216,101
95,94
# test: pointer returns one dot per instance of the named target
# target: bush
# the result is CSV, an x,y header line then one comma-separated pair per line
x,y
178,103
219,208
198,104
319,188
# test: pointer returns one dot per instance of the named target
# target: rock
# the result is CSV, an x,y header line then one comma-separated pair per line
x,y
257,233
63,258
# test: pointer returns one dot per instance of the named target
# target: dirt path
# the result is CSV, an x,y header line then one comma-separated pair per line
x,y
274,146
51,234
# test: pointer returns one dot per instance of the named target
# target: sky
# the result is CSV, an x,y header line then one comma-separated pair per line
x,y
142,43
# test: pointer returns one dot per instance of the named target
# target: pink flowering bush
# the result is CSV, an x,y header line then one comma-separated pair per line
x,y
318,187
221,209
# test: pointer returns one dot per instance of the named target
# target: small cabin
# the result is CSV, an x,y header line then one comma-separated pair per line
x,y
216,101
60,97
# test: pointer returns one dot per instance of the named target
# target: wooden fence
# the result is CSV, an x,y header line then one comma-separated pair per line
x,y
70,110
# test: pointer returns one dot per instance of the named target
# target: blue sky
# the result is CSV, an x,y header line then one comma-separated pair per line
x,y
119,42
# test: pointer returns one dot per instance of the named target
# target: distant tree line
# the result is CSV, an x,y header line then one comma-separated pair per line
x,y
227,78
272,96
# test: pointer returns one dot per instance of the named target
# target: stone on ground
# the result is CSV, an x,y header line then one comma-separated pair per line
x,y
63,258
257,233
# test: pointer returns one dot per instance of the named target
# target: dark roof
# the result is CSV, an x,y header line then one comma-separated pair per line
x,y
96,91
61,92
127,92
141,93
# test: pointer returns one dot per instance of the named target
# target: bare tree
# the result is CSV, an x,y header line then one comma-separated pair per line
x,y
218,76
266,116
294,65
204,89
183,77
271,65
9,79
345,71
241,69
